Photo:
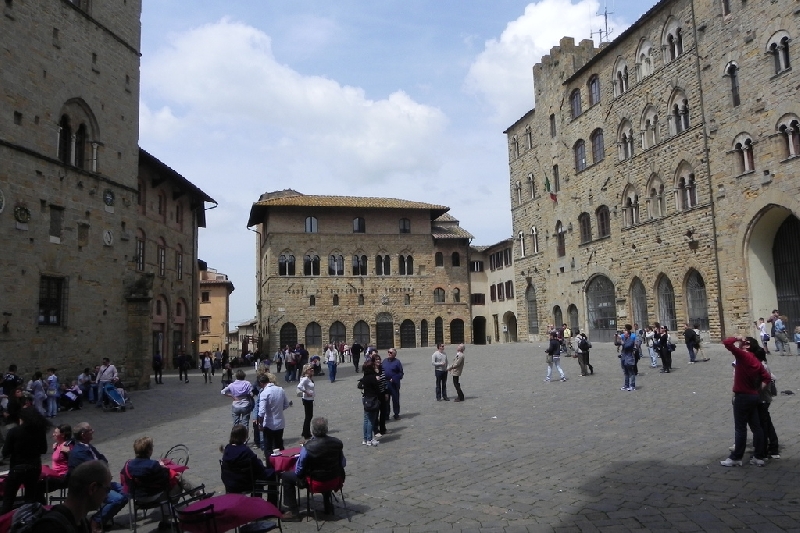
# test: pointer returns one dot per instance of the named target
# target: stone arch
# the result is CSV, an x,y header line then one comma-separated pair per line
x,y
288,335
601,310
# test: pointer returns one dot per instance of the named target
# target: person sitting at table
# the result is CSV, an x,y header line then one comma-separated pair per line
x,y
322,459
25,444
82,452
60,461
86,491
240,466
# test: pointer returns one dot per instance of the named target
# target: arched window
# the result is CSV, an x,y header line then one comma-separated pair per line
x,y
620,77
405,225
311,265
456,259
162,258
561,247
732,71
603,221
656,203
726,7
535,240
335,300
598,146
439,259
311,224
789,127
575,103
649,127
515,146
696,301
531,186
556,179
335,265
406,299
625,140
585,223
359,225
594,90
312,301
286,264
679,112
743,147
529,137
672,40
65,140
580,155
313,335
406,264
630,207
77,133
558,316
533,310
456,295
360,299
360,265
552,125
685,187
666,304
383,265
778,47
644,61
639,303
438,295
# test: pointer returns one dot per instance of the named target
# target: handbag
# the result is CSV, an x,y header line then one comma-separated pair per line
x,y
371,403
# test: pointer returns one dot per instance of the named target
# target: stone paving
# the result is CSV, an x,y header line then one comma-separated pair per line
x,y
519,454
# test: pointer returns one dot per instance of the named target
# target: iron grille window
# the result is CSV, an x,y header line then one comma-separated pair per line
x,y
52,301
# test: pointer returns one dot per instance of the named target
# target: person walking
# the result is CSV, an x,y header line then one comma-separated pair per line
x,y
371,401
749,377
278,359
306,387
393,369
242,393
332,358
582,346
553,352
690,338
355,352
439,362
456,368
206,366
158,368
183,367
106,374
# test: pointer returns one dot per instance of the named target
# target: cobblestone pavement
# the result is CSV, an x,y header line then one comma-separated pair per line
x,y
519,454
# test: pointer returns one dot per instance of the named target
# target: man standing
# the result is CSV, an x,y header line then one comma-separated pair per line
x,y
271,403
183,366
355,352
439,362
332,358
158,366
690,338
321,459
628,358
82,452
456,368
106,374
393,369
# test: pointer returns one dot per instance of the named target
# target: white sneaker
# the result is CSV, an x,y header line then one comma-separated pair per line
x,y
374,442
775,456
757,462
377,436
731,462
363,442
368,443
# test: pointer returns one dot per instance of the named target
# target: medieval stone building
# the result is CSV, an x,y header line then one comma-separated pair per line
x,y
378,271
98,238
656,179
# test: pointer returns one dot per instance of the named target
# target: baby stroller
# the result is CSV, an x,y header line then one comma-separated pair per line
x,y
116,399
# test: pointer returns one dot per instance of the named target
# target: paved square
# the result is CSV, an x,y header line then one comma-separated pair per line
x,y
518,454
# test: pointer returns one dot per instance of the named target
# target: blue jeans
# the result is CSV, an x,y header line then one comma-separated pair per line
x,y
332,371
630,376
101,393
690,347
653,357
52,405
441,384
114,503
745,413
370,424
394,392
241,416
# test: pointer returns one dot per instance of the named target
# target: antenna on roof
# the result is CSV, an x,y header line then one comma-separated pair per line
x,y
604,34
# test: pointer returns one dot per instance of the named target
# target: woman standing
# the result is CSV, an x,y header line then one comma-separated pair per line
x,y
371,400
25,445
663,341
582,347
332,358
770,435
278,358
383,397
242,393
36,388
306,387
206,366
456,368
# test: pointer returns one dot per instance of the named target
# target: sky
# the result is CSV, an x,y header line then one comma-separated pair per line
x,y
403,99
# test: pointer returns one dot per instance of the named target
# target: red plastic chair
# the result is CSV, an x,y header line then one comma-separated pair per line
x,y
314,486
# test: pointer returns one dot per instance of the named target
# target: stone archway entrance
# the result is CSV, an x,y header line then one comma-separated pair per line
x,y
601,309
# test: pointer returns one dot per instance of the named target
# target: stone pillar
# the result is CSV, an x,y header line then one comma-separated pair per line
x,y
137,356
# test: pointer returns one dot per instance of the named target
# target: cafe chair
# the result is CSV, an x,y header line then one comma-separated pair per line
x,y
201,521
55,485
314,486
251,485
178,454
160,500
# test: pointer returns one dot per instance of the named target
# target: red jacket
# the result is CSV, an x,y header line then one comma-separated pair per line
x,y
749,373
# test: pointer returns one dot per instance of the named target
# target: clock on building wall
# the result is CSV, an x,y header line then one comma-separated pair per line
x,y
108,197
2,201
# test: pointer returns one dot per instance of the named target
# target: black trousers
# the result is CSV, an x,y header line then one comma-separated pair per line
x,y
273,438
27,475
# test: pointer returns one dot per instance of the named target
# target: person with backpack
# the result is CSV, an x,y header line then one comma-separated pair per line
x,y
690,338
553,352
628,358
766,394
582,347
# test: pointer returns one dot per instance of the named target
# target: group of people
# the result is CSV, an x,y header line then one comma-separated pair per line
x,y
562,341
778,332
441,369
380,392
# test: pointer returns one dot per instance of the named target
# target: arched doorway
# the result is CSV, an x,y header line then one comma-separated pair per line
x,y
558,317
786,255
456,331
423,333
438,330
572,313
601,309
288,335
666,304
696,301
384,331
510,327
479,330
361,333
639,304
337,334
408,337
533,311
313,336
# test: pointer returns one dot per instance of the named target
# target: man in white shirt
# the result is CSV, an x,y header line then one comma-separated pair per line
x,y
332,358
271,403
106,374
439,362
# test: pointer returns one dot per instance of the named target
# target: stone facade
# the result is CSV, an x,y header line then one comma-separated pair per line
x,y
620,215
492,295
214,309
72,290
320,279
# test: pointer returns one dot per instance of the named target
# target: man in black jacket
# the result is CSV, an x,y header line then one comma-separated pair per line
x,y
321,459
690,338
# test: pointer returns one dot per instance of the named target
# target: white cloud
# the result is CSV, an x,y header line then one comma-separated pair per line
x,y
502,74
224,77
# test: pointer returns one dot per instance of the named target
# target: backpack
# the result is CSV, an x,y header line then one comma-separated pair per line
x,y
584,344
35,513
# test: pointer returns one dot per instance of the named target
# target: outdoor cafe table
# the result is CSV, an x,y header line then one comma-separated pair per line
x,y
286,460
232,511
